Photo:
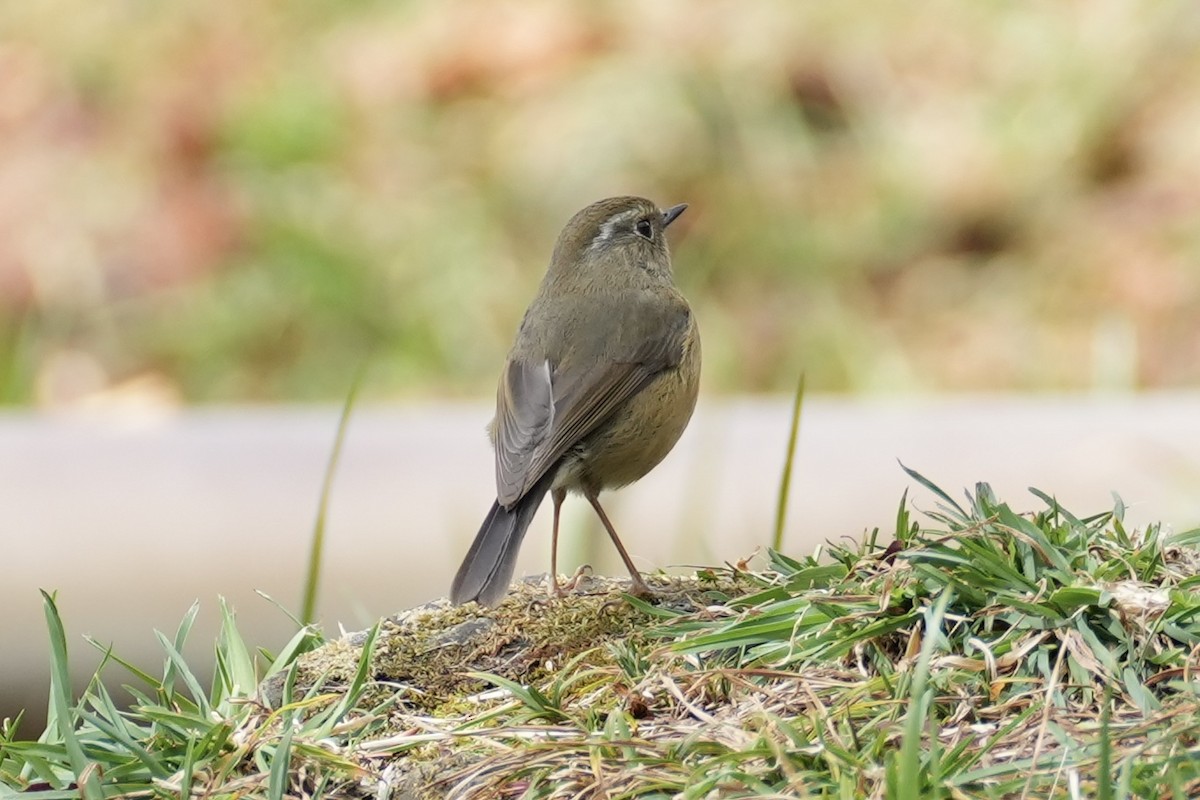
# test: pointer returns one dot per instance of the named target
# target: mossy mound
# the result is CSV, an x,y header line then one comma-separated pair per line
x,y
431,657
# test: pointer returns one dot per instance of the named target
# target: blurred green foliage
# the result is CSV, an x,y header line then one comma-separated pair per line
x,y
241,201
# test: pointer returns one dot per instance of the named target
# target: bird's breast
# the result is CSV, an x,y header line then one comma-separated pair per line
x,y
639,433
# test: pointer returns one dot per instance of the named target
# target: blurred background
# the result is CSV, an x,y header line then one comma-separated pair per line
x,y
212,212
236,202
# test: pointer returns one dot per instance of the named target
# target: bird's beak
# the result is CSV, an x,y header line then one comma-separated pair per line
x,y
671,213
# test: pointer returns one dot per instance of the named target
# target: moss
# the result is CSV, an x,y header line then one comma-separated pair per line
x,y
425,657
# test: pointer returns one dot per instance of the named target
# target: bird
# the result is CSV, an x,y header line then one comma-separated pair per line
x,y
600,383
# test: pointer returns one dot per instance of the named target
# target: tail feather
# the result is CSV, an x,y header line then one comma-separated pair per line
x,y
488,568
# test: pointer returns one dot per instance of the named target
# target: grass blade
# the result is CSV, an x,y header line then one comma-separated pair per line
x,y
177,667
313,578
282,760
908,773
181,634
1104,766
354,690
937,490
61,712
235,656
785,481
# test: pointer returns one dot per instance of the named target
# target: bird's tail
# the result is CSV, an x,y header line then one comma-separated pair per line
x,y
488,568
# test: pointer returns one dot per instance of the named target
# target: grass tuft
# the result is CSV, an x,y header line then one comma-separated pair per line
x,y
992,653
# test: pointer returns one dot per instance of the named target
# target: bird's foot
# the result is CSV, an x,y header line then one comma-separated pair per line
x,y
640,589
583,571
558,590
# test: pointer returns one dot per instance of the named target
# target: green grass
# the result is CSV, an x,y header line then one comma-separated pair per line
x,y
177,738
316,550
992,653
785,480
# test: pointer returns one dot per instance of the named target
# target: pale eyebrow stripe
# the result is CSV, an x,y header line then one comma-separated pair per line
x,y
608,227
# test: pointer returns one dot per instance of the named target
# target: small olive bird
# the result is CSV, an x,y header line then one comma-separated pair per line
x,y
597,388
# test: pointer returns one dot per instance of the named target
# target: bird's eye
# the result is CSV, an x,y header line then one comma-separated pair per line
x,y
644,229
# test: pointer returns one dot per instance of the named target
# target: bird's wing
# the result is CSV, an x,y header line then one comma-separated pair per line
x,y
543,409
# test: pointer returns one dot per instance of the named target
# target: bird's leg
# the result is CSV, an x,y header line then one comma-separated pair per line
x,y
556,495
639,587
